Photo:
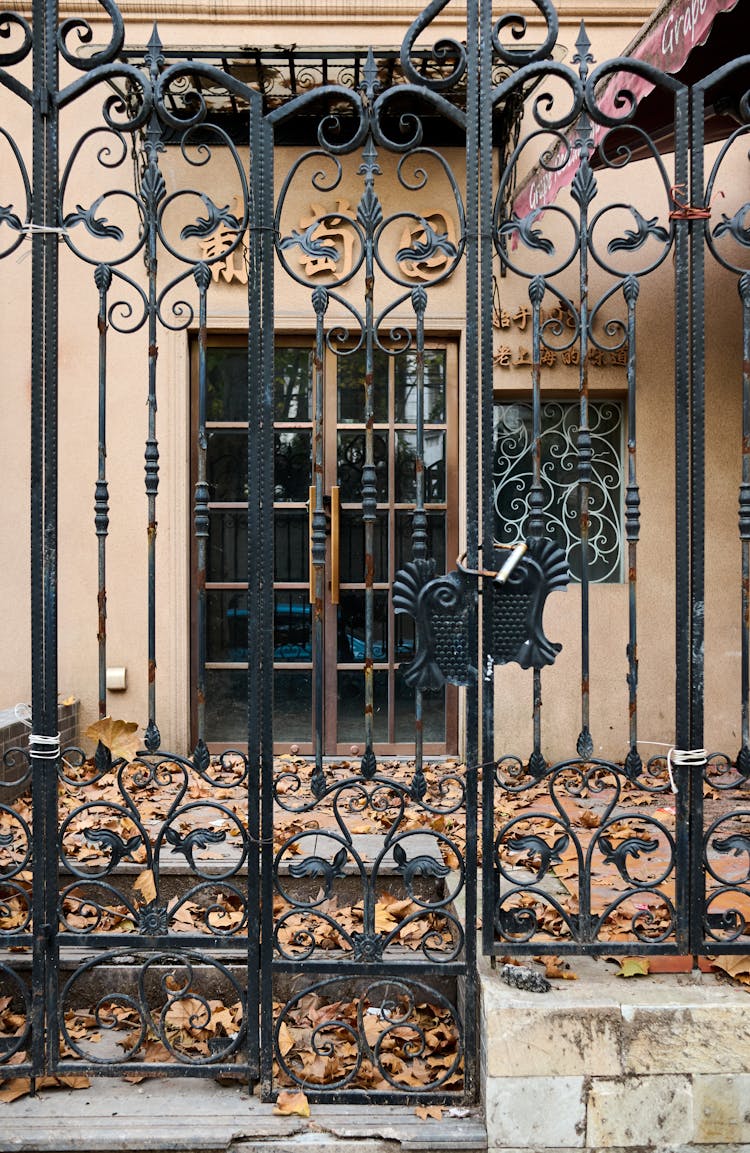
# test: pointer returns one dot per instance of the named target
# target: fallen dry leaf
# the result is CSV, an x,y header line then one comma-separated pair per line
x,y
589,819
285,1039
734,966
558,970
15,1088
633,967
117,736
425,1111
145,886
290,1104
21,1086
74,1081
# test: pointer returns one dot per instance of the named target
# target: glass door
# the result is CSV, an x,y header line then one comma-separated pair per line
x,y
228,599
395,465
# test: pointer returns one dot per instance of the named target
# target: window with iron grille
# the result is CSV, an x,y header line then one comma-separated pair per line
x,y
512,478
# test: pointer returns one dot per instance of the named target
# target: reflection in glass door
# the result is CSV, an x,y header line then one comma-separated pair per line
x,y
227,600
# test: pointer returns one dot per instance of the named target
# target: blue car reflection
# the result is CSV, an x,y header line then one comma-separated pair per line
x,y
292,634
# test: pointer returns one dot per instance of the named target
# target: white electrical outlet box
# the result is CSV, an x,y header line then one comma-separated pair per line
x,y
117,679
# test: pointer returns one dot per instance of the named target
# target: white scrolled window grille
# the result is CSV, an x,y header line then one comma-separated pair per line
x,y
512,479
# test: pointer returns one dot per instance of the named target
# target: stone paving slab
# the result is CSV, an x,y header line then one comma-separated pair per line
x,y
200,1116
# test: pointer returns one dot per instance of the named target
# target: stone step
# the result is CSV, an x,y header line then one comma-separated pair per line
x,y
219,862
201,1116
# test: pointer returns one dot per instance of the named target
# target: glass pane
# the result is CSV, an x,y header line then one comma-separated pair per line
x,y
406,387
434,466
292,705
227,546
433,712
351,627
226,384
292,468
512,472
292,384
291,542
351,461
403,626
350,387
226,625
436,524
351,706
226,705
226,465
292,625
352,547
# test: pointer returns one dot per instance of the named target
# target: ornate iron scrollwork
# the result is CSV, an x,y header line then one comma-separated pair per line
x,y
444,612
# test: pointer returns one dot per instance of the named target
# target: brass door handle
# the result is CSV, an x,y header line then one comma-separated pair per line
x,y
335,518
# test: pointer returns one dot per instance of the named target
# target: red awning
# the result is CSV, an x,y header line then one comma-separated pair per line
x,y
677,29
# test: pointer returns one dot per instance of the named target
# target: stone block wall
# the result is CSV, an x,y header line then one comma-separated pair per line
x,y
614,1065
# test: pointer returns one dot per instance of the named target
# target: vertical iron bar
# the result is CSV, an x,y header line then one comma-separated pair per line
x,y
479,327
202,275
43,547
697,503
537,288
102,279
478,140
50,538
419,523
369,215
633,762
261,378
37,553
743,757
697,229
51,767
318,543
687,860
584,745
153,190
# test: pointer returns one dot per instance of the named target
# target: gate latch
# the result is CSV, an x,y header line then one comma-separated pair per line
x,y
443,609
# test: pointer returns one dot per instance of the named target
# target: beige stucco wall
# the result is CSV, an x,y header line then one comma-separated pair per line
x,y
338,23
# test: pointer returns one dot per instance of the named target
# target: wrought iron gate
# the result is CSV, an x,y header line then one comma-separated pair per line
x,y
312,924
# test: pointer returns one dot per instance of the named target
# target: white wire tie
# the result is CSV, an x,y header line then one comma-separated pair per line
x,y
42,230
23,714
678,758
44,748
681,758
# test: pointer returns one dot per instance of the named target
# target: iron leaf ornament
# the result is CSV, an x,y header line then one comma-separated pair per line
x,y
443,609
518,605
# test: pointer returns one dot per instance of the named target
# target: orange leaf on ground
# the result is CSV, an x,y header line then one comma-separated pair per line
x,y
145,886
118,736
285,1039
425,1111
735,966
21,1086
75,1081
557,969
290,1104
589,819
15,1088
